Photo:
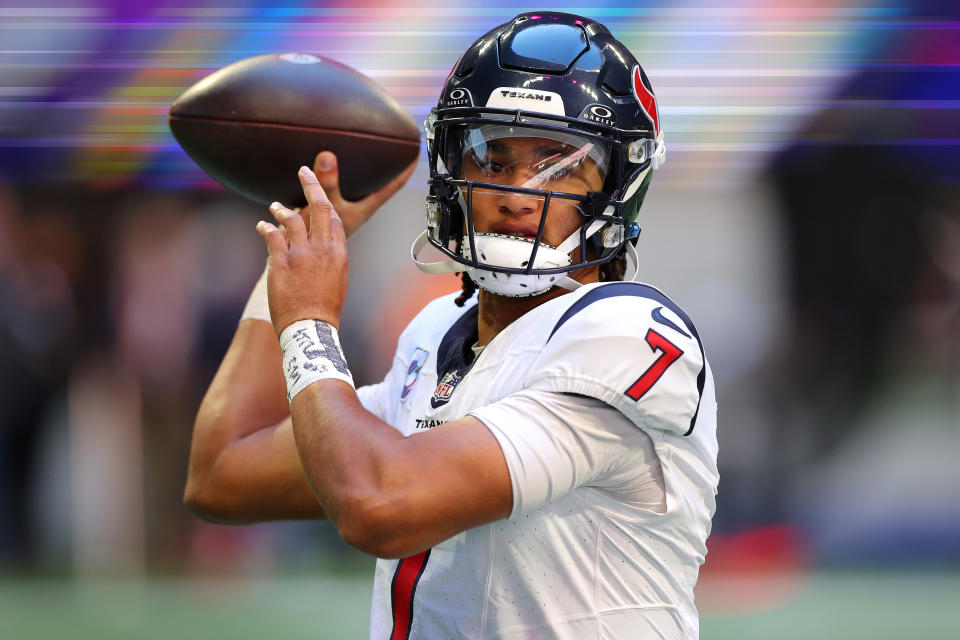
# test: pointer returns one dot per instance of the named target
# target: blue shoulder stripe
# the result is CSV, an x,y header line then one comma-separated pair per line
x,y
616,289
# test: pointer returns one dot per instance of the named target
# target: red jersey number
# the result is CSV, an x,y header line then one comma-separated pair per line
x,y
669,353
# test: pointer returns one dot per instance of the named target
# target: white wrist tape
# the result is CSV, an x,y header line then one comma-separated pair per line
x,y
311,352
257,305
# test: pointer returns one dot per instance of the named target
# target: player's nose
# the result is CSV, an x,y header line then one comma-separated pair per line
x,y
518,204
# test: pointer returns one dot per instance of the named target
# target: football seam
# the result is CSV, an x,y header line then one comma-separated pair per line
x,y
297,127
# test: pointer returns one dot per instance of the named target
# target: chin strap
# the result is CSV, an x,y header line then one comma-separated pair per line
x,y
573,241
452,266
633,264
567,283
569,245
444,266
629,274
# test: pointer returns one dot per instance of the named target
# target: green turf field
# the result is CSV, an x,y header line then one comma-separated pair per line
x,y
878,606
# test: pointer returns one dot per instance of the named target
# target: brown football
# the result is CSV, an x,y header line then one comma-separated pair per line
x,y
252,124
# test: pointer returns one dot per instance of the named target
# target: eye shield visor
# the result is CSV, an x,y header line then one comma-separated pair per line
x,y
528,158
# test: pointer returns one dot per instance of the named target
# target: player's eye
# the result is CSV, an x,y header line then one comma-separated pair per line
x,y
564,169
489,165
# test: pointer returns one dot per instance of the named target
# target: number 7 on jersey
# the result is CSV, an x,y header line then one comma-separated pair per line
x,y
669,353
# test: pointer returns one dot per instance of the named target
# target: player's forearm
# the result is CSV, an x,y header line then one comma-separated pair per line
x,y
345,451
368,478
248,392
394,496
243,461
255,479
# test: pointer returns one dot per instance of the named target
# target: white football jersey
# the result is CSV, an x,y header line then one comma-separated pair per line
x,y
585,564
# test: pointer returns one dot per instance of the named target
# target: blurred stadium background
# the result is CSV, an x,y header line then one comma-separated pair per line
x,y
808,218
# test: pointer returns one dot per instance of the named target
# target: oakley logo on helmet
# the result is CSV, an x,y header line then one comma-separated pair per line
x,y
647,102
599,114
526,99
459,97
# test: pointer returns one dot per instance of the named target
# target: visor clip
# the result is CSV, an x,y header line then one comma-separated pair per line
x,y
633,231
436,182
440,188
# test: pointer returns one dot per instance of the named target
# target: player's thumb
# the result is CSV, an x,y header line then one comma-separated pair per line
x,y
328,175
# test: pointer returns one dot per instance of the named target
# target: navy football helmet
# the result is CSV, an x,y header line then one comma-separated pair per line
x,y
563,79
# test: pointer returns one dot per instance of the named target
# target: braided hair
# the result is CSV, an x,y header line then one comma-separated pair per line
x,y
469,288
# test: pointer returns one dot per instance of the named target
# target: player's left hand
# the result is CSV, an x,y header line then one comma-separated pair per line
x,y
307,275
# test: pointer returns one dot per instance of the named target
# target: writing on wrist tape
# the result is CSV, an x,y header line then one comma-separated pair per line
x,y
311,352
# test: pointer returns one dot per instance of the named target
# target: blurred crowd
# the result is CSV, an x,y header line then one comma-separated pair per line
x,y
115,311
116,307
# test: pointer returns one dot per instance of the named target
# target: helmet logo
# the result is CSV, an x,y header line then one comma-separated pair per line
x,y
526,99
647,102
525,94
458,97
599,113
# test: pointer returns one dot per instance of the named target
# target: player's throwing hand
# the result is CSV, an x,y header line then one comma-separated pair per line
x,y
307,276
354,214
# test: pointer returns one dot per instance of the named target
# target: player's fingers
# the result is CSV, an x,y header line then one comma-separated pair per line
x,y
321,210
381,195
327,170
293,226
276,243
312,189
304,215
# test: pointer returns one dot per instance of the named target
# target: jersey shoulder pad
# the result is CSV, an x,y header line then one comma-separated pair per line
x,y
631,346
436,316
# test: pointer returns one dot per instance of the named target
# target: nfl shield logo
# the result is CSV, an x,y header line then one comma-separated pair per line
x,y
445,389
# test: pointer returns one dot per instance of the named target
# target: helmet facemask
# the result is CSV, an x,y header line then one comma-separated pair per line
x,y
522,172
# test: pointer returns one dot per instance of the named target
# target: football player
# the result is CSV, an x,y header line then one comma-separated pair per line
x,y
540,460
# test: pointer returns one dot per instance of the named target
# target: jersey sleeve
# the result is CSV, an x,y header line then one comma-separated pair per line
x,y
380,398
630,346
555,442
374,397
